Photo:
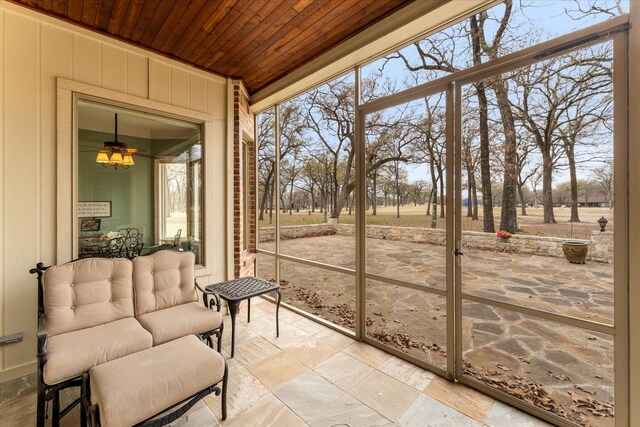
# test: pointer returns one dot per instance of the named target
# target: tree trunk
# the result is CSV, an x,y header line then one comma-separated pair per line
x,y
523,207
547,189
469,204
429,201
474,197
291,199
568,149
509,215
485,166
374,199
442,199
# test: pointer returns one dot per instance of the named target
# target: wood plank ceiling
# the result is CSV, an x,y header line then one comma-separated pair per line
x,y
256,40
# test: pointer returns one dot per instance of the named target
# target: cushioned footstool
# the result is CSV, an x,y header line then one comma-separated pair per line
x,y
154,386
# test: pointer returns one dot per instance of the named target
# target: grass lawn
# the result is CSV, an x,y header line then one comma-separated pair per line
x,y
415,216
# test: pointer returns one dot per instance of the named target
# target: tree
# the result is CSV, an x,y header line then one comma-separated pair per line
x,y
603,177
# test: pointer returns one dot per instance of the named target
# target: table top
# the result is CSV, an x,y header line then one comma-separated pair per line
x,y
242,288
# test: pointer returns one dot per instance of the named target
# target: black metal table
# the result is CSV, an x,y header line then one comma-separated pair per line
x,y
236,290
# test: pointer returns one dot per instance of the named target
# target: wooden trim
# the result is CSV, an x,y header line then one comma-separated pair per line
x,y
413,21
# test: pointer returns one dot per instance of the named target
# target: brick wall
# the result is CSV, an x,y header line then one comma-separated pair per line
x,y
243,131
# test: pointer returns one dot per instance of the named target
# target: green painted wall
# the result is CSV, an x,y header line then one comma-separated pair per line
x,y
129,190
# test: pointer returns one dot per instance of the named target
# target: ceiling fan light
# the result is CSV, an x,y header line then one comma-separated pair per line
x,y
116,159
102,157
127,160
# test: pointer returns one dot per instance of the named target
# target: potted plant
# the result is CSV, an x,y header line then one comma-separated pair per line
x,y
574,250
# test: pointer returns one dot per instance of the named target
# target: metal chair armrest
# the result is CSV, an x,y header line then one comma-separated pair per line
x,y
206,294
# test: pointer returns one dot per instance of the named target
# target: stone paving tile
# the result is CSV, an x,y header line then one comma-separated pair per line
x,y
408,373
386,395
348,411
334,339
277,370
242,390
254,350
289,335
503,415
368,354
466,400
267,411
198,416
308,395
428,412
344,370
311,351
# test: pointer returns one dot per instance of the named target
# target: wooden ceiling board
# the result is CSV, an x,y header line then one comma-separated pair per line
x,y
175,25
258,41
226,34
117,16
89,11
59,7
231,22
104,13
279,33
74,10
194,32
303,44
247,33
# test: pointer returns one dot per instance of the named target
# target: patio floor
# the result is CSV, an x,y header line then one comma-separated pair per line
x,y
499,346
314,376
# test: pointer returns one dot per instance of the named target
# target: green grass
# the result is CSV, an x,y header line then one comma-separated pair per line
x,y
415,216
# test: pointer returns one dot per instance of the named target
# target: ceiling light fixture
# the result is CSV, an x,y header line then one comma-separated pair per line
x,y
115,153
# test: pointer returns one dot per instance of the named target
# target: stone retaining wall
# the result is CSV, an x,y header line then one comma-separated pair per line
x,y
600,250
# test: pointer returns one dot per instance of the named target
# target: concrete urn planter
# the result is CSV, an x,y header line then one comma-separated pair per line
x,y
575,250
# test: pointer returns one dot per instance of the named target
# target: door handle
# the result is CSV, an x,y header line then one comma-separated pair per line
x,y
457,252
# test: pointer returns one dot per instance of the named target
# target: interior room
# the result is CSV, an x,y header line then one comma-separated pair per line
x,y
318,213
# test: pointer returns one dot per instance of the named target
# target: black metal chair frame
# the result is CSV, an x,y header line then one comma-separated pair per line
x,y
92,412
46,393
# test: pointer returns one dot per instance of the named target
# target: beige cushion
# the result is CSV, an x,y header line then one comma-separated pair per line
x,y
164,279
134,388
74,353
179,321
87,293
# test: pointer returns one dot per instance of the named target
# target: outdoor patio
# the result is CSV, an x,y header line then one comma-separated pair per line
x,y
497,344
353,384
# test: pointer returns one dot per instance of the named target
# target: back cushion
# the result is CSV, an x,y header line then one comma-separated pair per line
x,y
87,293
164,279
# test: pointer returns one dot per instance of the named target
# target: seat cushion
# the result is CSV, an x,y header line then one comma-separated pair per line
x,y
164,279
179,321
73,353
86,293
131,389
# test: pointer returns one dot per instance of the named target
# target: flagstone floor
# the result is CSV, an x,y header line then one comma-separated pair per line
x,y
312,376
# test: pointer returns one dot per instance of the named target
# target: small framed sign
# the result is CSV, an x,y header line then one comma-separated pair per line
x,y
90,224
94,209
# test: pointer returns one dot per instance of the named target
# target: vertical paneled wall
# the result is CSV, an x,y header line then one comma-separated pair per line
x,y
35,50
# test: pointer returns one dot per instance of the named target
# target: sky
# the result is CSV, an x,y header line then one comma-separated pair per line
x,y
540,20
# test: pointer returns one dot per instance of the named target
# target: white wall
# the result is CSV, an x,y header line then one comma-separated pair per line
x,y
34,51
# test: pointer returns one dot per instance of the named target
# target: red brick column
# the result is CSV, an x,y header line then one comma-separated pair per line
x,y
243,131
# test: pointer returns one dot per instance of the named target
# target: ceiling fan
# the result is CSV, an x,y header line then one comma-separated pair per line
x,y
116,153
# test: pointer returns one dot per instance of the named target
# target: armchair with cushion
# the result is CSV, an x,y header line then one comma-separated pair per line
x,y
166,298
85,318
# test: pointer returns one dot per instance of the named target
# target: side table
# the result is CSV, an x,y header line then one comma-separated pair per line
x,y
244,288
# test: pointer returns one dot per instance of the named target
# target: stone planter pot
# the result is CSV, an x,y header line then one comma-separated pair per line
x,y
575,250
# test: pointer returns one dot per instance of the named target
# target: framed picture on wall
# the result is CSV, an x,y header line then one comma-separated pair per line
x,y
90,224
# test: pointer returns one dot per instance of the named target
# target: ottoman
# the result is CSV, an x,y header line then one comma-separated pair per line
x,y
154,386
